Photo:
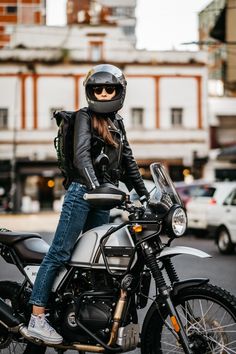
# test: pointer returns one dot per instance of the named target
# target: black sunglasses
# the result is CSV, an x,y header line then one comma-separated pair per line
x,y
109,89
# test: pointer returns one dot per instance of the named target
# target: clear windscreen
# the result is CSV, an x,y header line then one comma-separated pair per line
x,y
165,190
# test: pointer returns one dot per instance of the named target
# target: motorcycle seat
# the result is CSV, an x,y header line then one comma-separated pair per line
x,y
29,247
31,250
8,238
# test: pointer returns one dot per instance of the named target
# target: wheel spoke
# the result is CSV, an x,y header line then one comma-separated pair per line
x,y
174,348
206,319
14,348
10,343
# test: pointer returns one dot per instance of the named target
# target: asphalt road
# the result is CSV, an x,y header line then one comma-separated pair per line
x,y
219,269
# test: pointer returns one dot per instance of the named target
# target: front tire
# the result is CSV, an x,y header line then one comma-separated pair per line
x,y
210,326
13,343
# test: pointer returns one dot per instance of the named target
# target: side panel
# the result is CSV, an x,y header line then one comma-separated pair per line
x,y
87,252
32,271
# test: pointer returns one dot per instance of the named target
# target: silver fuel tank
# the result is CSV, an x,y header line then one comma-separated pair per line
x,y
118,247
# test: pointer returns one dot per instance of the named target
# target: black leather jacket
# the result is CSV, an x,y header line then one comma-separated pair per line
x,y
88,145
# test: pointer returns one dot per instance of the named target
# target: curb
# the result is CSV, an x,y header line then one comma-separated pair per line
x,y
46,222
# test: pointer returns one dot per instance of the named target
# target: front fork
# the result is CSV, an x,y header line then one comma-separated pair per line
x,y
163,290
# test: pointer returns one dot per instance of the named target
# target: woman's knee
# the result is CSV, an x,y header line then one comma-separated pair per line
x,y
56,258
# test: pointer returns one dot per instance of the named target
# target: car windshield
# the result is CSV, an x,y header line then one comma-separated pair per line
x,y
165,190
204,191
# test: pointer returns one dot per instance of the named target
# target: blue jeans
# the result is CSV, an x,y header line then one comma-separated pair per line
x,y
76,216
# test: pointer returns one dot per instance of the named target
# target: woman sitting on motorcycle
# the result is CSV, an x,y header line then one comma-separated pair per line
x,y
99,136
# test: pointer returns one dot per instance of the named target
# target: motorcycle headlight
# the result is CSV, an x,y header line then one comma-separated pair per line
x,y
176,221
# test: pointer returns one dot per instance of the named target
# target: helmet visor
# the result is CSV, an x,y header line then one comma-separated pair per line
x,y
98,89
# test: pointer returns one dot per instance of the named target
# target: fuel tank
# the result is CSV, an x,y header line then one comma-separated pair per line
x,y
119,248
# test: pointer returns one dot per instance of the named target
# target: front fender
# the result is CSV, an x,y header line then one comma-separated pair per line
x,y
187,283
177,250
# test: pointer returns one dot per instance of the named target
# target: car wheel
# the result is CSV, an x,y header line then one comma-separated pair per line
x,y
224,242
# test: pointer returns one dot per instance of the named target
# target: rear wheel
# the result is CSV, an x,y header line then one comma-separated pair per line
x,y
208,314
13,343
224,242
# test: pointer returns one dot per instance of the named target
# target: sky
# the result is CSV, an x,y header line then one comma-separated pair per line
x,y
161,24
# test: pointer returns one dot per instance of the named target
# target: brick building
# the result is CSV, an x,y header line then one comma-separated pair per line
x,y
16,12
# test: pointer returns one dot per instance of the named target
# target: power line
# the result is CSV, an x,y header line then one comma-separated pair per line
x,y
210,43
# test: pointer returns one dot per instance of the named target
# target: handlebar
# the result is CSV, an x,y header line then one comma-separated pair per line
x,y
132,208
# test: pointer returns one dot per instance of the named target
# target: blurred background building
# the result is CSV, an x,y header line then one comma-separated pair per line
x,y
217,37
18,12
114,13
168,113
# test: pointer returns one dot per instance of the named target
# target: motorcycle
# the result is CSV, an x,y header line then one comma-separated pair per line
x,y
95,298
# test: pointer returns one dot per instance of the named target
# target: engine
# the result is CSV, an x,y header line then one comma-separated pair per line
x,y
94,312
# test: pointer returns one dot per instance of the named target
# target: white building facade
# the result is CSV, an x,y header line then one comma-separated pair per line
x,y
165,111
221,163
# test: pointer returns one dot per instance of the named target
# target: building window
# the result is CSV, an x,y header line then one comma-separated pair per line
x,y
11,9
123,12
137,117
128,30
176,117
3,118
95,51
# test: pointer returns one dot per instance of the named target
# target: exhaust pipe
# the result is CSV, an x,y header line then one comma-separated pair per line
x,y
7,317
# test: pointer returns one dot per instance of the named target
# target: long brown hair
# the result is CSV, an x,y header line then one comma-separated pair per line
x,y
101,126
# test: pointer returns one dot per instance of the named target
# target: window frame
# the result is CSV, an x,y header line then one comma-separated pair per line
x,y
4,119
176,117
11,10
96,45
135,124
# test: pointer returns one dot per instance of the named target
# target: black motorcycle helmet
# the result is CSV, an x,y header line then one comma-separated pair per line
x,y
102,75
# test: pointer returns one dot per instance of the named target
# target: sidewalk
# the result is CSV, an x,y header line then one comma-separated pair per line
x,y
43,221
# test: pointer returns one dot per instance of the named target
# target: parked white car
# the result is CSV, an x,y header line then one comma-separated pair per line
x,y
199,206
187,191
221,219
196,208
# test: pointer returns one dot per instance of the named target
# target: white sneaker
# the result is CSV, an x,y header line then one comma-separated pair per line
x,y
40,328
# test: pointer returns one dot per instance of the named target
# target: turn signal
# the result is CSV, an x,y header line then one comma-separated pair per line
x,y
175,324
137,228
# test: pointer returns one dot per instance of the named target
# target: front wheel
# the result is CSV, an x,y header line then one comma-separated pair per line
x,y
208,314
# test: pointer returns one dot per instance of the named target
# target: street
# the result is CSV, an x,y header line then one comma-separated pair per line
x,y
219,269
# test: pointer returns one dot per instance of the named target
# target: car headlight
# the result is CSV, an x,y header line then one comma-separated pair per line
x,y
176,221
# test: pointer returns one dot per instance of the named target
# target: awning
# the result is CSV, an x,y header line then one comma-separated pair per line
x,y
218,31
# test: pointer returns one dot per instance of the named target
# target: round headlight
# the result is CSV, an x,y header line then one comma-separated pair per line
x,y
179,221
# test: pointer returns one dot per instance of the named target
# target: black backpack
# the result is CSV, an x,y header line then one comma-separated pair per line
x,y
64,141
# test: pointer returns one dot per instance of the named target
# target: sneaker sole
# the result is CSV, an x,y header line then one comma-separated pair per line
x,y
44,339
